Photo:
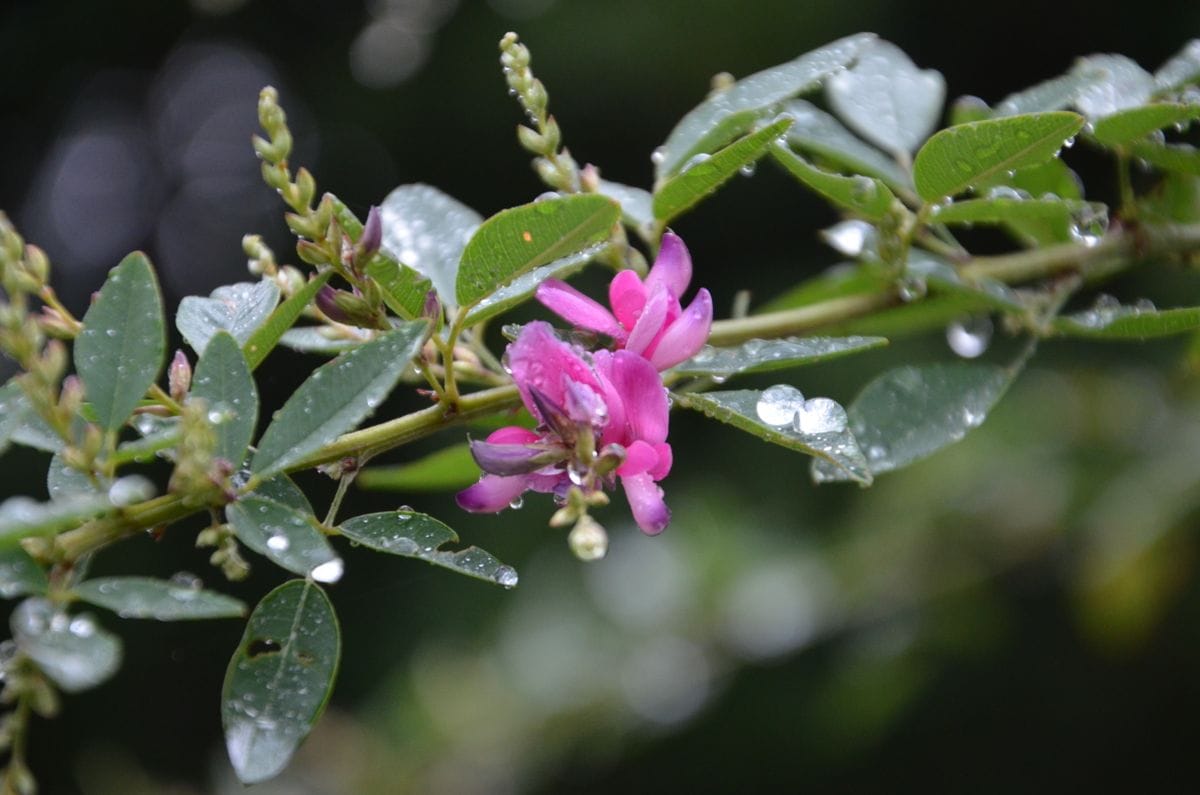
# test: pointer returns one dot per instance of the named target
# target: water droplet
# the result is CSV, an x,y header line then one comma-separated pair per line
x,y
330,571
779,404
517,504
658,156
278,542
849,237
1006,192
748,169
82,627
911,289
969,338
130,489
111,332
506,576
820,415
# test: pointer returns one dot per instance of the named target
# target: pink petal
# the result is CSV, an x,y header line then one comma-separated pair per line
x,y
512,434
614,431
643,396
539,359
646,502
686,336
673,266
651,321
665,459
577,309
639,457
627,295
492,493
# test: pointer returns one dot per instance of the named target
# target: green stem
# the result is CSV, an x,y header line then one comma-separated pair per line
x,y
343,485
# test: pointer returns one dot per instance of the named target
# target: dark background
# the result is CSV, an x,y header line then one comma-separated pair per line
x,y
965,649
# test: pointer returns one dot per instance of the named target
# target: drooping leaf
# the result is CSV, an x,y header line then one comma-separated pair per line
x,y
523,287
725,115
311,339
1131,124
20,575
224,382
637,210
911,412
337,397
958,158
1181,158
289,538
123,343
279,679
1118,83
1110,320
1180,69
22,517
447,469
427,230
759,356
704,173
264,340
72,650
861,195
239,309
886,99
146,597
740,408
818,133
416,535
520,239
1044,220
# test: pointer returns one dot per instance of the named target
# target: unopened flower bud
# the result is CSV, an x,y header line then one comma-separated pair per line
x,y
372,235
306,185
589,178
343,307
587,539
432,308
179,376
37,263
290,280
531,139
70,397
52,322
311,253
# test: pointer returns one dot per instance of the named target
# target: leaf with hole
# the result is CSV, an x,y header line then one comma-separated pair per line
x,y
279,679
123,344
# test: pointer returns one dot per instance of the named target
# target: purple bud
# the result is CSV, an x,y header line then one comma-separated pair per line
x,y
179,376
554,416
432,307
513,459
327,303
372,235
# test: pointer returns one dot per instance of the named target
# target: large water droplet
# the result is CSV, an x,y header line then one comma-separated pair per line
x,y
820,415
969,338
779,404
278,542
130,489
330,571
849,237
506,576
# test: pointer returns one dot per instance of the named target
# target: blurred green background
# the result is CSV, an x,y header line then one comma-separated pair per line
x,y
1019,612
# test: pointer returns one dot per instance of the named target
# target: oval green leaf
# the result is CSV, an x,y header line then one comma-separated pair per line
x,y
1126,126
239,309
958,158
20,574
264,340
427,230
704,173
279,679
71,650
1116,322
910,413
1118,83
416,535
448,469
121,348
146,597
861,195
1180,69
1181,158
337,397
727,114
523,287
1044,220
288,537
739,408
22,517
760,356
311,339
224,382
818,133
637,206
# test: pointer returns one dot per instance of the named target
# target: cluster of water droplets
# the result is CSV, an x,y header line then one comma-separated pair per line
x,y
784,406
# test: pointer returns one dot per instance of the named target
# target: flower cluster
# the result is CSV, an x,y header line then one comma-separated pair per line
x,y
602,415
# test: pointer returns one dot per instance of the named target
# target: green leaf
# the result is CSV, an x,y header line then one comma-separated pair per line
x,y
820,134
71,650
1053,177
1053,94
1110,320
725,115
415,535
239,309
886,99
264,340
1180,158
448,469
704,173
146,597
1126,126
861,195
20,575
289,538
337,397
1181,69
123,343
22,517
637,206
740,408
279,679
523,287
63,481
910,413
284,491
404,289
312,339
760,356
958,158
224,382
519,239
1035,220
427,230
1118,83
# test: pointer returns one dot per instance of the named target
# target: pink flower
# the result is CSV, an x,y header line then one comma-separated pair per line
x,y
646,317
600,417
